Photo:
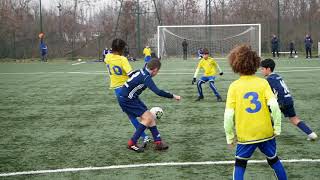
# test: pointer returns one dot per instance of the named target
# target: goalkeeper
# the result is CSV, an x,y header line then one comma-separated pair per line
x,y
210,67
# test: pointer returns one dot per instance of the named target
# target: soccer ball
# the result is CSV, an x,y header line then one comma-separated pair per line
x,y
79,60
295,56
157,112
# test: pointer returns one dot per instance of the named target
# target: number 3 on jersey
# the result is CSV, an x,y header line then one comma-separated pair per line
x,y
254,100
116,70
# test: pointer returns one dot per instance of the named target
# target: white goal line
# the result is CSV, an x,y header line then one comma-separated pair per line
x,y
150,165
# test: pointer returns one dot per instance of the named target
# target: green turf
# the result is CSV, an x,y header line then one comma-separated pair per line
x,y
55,115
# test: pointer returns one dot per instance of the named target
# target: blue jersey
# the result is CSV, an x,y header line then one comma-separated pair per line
x,y
280,89
200,53
138,82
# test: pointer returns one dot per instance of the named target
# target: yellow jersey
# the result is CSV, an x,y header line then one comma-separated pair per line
x,y
118,68
248,97
147,52
209,65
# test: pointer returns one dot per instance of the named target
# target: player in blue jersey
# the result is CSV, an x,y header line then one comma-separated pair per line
x,y
132,105
200,53
43,51
284,97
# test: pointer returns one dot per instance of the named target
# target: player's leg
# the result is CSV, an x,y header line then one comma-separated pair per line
x,y
214,89
289,111
273,52
269,149
201,81
134,121
243,153
307,51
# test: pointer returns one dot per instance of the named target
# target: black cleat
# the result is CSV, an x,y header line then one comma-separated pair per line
x,y
160,146
134,147
219,99
199,98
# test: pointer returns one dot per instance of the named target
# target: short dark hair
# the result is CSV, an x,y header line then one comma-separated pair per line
x,y
118,45
154,63
205,51
268,63
244,60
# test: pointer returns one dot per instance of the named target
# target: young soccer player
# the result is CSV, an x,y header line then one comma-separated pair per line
x,y
132,105
284,97
247,111
119,70
147,54
210,67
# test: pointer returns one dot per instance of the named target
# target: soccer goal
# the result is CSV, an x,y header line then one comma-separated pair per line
x,y
219,39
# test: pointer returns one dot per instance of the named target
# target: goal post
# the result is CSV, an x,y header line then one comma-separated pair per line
x,y
219,39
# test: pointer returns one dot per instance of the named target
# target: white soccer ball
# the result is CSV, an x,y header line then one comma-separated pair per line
x,y
157,112
295,56
79,60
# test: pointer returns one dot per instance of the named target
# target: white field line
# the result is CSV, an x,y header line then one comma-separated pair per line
x,y
164,72
79,63
150,165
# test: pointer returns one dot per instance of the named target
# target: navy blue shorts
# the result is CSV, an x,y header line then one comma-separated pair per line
x,y
132,107
245,151
288,110
207,78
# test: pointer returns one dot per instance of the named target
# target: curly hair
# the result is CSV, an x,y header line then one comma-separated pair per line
x,y
243,60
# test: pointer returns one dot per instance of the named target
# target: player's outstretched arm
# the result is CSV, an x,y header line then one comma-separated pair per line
x,y
176,97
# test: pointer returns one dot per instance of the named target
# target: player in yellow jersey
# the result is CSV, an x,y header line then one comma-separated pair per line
x,y
119,71
210,67
247,111
147,54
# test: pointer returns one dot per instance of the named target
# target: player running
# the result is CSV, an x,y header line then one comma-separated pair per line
x,y
210,67
284,97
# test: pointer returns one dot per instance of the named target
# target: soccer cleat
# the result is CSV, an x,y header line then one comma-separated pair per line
x,y
146,140
313,136
219,99
134,147
160,146
199,98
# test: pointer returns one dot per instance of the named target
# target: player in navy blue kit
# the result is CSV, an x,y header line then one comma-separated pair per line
x,y
131,104
284,97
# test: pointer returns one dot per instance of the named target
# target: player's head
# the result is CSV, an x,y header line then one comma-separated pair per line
x,y
267,66
205,52
244,60
154,66
118,46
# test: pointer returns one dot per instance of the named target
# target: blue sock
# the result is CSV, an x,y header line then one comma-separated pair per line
x,y
138,133
279,170
136,123
155,133
238,173
301,125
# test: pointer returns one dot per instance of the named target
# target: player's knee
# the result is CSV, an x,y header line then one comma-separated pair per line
x,y
241,163
147,119
272,161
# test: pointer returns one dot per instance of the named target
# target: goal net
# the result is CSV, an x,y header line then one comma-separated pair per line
x,y
219,39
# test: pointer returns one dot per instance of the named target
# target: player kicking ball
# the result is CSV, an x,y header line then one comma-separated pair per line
x,y
131,104
284,97
210,67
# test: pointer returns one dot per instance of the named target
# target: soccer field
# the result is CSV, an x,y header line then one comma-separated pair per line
x,y
63,119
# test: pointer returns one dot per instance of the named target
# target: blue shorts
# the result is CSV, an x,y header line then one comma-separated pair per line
x,y
147,59
132,107
288,110
269,148
207,78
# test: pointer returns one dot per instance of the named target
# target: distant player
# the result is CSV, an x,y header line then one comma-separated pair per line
x,y
210,67
104,53
147,54
200,53
119,70
247,119
284,97
131,104
43,50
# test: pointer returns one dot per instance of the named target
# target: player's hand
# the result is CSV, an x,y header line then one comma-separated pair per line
x,y
194,80
221,73
176,97
231,146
